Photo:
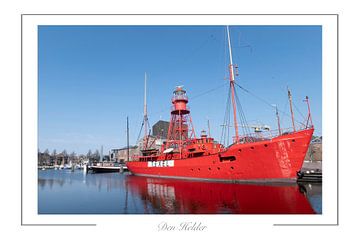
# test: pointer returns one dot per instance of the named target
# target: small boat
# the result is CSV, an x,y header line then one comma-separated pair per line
x,y
67,166
107,167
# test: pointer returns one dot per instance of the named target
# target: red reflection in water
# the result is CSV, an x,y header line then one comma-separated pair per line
x,y
195,197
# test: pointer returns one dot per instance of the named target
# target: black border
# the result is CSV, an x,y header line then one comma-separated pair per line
x,y
181,14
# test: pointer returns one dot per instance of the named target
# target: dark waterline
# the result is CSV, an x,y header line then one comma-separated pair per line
x,y
66,192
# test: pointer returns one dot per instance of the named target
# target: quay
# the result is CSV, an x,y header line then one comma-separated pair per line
x,y
311,170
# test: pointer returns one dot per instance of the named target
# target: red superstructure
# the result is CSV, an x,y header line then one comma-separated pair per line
x,y
265,156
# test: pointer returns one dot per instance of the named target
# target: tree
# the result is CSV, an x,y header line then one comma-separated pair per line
x,y
96,155
65,157
46,152
72,157
41,158
64,153
46,157
53,157
89,154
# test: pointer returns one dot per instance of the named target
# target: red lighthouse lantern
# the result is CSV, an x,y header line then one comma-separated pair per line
x,y
181,128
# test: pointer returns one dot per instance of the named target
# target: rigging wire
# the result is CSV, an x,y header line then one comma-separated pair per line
x,y
195,97
244,124
296,108
208,91
283,112
228,127
198,48
265,102
226,123
142,125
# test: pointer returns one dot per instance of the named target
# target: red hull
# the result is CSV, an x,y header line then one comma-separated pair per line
x,y
277,159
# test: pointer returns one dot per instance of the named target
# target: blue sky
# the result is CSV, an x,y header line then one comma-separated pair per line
x,y
91,78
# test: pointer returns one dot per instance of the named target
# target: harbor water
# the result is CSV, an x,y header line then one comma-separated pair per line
x,y
74,192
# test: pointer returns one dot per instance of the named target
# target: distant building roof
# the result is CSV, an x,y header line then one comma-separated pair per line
x,y
130,147
161,121
160,129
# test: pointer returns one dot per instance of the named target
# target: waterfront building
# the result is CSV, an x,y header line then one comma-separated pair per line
x,y
120,155
160,129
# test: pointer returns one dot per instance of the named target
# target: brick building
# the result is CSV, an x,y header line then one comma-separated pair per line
x,y
160,129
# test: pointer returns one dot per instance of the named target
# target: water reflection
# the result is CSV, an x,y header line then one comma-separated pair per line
x,y
69,192
180,196
313,192
66,178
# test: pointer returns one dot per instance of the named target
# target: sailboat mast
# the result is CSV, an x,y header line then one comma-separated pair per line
x,y
232,82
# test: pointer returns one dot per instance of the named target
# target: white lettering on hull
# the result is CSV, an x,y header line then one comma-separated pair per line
x,y
162,163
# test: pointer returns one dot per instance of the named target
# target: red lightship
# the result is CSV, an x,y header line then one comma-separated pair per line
x,y
263,156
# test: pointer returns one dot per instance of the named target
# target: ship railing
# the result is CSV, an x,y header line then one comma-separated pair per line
x,y
264,135
144,158
180,97
172,108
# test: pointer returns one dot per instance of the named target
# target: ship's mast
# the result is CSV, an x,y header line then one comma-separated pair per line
x,y
278,119
291,109
309,112
127,138
145,120
208,123
232,82
145,110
